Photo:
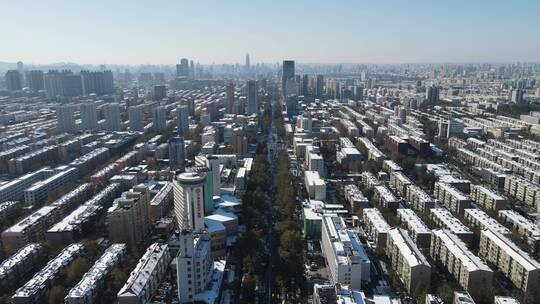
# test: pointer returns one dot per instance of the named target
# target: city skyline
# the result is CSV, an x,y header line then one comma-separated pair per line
x,y
390,32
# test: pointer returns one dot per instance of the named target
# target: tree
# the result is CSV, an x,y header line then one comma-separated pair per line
x,y
56,294
75,271
118,279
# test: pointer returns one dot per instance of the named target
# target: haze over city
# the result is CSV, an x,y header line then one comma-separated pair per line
x,y
269,152
142,32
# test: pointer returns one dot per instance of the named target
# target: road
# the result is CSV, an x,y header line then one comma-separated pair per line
x,y
272,256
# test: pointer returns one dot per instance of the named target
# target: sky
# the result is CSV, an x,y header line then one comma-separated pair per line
x,y
308,31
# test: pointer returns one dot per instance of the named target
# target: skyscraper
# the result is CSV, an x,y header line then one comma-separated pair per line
x,y
35,80
136,118
182,120
99,83
159,119
319,86
432,94
252,102
52,81
89,121
188,188
71,84
66,118
13,80
160,92
20,69
177,153
111,112
247,62
230,97
287,76
182,69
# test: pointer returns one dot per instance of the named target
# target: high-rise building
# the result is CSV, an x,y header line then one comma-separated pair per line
x,y
177,153
230,97
52,82
189,200
20,69
111,112
160,92
35,80
182,120
99,83
305,85
191,69
432,94
239,141
252,101
247,62
65,116
182,69
127,219
159,119
89,120
13,80
516,96
71,84
136,118
319,86
194,266
287,76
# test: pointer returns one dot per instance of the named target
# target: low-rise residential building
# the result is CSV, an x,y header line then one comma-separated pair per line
x,y
384,197
468,270
35,290
419,199
399,182
355,198
514,263
89,287
444,219
145,278
526,228
487,198
347,261
407,261
315,185
479,219
16,267
419,232
375,226
451,197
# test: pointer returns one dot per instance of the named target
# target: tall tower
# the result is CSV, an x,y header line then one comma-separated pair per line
x,y
177,153
188,190
230,97
247,62
111,112
89,121
13,80
288,74
182,120
66,119
182,69
136,118
252,102
159,115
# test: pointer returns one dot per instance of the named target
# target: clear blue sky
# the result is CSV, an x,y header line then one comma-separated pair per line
x,y
331,31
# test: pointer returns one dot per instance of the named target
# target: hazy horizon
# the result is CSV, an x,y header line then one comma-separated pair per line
x,y
316,32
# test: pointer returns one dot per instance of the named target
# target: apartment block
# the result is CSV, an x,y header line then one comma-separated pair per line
x,y
445,220
145,278
384,198
514,263
407,261
468,270
348,262
375,226
419,199
419,232
479,219
399,182
455,200
528,229
487,198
